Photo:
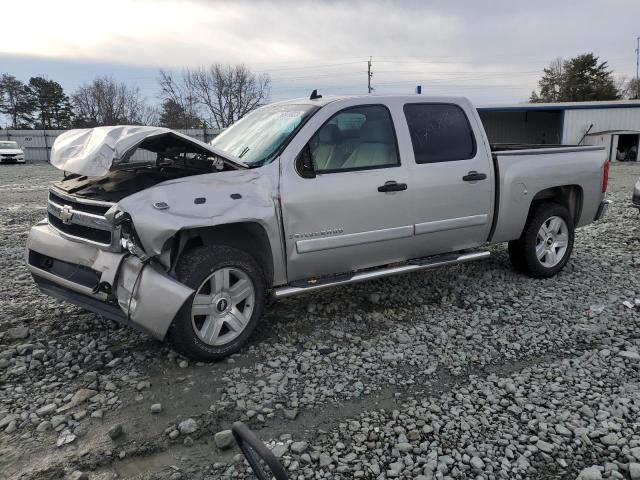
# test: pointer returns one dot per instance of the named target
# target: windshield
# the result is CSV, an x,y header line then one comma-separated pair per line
x,y
6,145
257,138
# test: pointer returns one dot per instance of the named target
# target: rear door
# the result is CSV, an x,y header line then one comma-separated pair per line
x,y
354,213
452,180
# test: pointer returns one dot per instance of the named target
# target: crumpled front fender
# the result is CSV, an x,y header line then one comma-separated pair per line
x,y
200,201
160,212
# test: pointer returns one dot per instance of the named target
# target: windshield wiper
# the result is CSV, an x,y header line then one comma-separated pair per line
x,y
244,152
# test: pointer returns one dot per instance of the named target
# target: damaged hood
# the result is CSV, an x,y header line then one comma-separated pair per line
x,y
93,151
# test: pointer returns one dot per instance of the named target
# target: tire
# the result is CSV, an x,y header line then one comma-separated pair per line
x,y
543,252
224,311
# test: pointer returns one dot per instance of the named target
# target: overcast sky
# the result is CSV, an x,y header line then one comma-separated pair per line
x,y
491,51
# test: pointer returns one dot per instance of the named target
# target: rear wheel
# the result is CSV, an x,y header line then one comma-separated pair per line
x,y
226,307
546,242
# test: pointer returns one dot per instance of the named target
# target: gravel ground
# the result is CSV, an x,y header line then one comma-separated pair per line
x,y
472,371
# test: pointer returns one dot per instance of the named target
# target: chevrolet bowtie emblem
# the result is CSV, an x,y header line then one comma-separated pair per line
x,y
66,214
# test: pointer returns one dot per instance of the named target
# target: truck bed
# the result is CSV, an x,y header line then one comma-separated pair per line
x,y
522,171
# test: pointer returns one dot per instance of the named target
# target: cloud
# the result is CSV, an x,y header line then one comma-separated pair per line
x,y
174,33
496,46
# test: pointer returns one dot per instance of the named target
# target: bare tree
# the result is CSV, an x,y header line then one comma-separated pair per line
x,y
629,88
179,94
107,102
149,115
224,93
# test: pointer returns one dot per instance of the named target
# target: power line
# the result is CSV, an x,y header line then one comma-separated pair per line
x,y
305,67
455,58
464,72
323,75
439,74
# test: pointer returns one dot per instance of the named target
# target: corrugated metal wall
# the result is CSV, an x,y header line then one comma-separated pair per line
x,y
37,143
522,127
576,122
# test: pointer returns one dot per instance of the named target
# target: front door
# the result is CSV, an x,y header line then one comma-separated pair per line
x,y
353,213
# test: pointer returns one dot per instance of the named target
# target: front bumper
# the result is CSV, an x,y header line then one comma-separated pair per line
x,y
117,286
11,160
602,210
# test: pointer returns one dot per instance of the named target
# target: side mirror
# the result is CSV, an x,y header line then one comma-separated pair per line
x,y
304,163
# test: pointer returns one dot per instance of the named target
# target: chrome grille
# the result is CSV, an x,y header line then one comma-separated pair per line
x,y
82,220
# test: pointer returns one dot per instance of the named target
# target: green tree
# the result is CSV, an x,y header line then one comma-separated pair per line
x,y
173,115
579,79
550,84
53,105
17,102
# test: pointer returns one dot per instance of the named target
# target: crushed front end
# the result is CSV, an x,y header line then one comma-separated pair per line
x,y
87,250
84,254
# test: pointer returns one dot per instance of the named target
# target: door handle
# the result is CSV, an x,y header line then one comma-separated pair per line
x,y
474,176
392,186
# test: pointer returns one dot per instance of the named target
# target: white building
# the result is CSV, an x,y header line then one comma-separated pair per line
x,y
615,124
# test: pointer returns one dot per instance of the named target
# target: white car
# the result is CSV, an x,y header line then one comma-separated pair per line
x,y
10,152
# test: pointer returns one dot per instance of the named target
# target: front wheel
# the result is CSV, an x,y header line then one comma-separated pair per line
x,y
226,307
546,242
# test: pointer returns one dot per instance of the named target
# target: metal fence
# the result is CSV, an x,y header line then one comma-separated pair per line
x,y
37,143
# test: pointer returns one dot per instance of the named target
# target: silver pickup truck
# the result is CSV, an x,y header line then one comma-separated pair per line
x,y
185,239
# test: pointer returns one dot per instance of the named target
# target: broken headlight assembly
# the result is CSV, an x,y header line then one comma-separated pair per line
x,y
130,242
128,238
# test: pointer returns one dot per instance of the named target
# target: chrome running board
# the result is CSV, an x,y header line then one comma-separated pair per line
x,y
298,288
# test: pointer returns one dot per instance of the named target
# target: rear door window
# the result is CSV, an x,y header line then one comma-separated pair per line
x,y
439,132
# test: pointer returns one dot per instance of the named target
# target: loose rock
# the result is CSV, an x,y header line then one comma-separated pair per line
x,y
224,439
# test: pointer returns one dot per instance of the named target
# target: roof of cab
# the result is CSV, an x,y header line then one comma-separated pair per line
x,y
326,99
322,101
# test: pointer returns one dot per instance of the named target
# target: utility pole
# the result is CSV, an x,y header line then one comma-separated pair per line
x,y
637,67
369,75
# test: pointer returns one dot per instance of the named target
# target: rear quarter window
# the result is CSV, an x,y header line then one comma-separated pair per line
x,y
439,132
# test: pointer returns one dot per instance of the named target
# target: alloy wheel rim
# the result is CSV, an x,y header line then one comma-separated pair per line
x,y
222,306
552,241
